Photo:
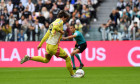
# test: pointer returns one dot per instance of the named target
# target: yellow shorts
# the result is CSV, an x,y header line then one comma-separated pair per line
x,y
56,50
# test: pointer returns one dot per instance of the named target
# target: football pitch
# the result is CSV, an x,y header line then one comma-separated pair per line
x,y
59,75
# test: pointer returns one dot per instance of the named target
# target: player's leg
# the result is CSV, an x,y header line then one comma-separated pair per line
x,y
72,58
79,49
47,56
78,57
68,65
42,59
75,52
73,62
38,58
61,53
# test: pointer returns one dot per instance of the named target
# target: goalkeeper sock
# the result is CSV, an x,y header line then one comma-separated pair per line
x,y
69,66
73,62
78,57
39,59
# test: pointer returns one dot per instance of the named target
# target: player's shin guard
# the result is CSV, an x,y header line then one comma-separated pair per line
x,y
69,66
40,59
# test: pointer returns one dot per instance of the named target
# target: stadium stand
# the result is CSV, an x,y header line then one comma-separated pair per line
x,y
28,20
124,22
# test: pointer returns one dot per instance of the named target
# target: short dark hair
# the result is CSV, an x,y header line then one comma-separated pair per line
x,y
73,25
64,14
135,22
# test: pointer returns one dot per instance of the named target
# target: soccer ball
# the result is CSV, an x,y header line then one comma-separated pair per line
x,y
80,72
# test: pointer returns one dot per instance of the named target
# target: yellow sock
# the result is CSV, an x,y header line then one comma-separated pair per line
x,y
40,59
69,66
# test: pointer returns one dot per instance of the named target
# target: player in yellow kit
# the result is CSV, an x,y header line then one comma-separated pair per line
x,y
53,36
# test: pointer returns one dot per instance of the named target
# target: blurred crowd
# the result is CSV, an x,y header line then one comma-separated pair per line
x,y
124,22
28,20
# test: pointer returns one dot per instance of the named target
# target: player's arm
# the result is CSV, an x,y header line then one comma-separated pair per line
x,y
44,39
69,37
62,32
72,36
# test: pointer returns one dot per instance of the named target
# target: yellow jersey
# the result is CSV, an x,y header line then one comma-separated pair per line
x,y
55,35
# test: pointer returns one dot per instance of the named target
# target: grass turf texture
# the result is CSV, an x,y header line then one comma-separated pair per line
x,y
93,75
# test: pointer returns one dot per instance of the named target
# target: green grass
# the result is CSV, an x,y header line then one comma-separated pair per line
x,y
93,75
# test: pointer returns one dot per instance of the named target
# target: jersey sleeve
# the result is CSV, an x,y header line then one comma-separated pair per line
x,y
76,33
56,26
45,38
